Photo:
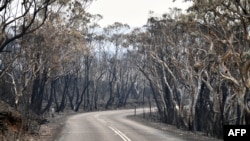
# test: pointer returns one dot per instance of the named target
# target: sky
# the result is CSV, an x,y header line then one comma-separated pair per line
x,y
132,12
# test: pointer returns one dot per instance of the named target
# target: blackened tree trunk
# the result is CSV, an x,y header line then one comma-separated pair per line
x,y
38,93
63,103
79,102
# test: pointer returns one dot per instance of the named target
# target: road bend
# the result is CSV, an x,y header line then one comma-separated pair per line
x,y
110,126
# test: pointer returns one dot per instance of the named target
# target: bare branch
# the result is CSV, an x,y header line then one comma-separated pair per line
x,y
28,25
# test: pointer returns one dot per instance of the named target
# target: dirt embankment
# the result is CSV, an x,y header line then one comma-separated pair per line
x,y
11,122
14,126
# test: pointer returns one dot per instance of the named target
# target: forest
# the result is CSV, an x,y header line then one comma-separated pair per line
x,y
193,66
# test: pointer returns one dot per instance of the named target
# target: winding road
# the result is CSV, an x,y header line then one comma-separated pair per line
x,y
110,126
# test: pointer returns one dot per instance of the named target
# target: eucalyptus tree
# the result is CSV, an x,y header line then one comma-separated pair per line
x,y
174,62
17,20
43,56
228,24
139,40
77,55
52,58
199,64
114,34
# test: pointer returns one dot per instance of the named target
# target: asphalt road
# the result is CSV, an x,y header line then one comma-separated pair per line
x,y
110,126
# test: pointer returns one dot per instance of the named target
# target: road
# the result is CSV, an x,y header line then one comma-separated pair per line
x,y
110,126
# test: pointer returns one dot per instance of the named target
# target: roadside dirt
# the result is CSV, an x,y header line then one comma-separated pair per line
x,y
51,130
186,135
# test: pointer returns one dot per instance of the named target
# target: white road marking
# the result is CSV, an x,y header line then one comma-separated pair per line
x,y
118,132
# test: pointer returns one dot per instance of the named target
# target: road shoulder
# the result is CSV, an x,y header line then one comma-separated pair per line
x,y
187,135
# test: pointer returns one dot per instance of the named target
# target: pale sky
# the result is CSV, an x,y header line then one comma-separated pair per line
x,y
133,12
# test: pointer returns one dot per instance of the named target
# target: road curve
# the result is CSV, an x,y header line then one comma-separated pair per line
x,y
110,126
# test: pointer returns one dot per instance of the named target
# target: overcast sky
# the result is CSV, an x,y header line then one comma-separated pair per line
x,y
132,12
